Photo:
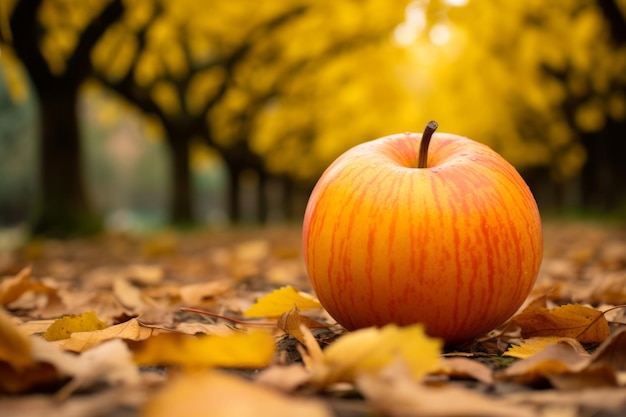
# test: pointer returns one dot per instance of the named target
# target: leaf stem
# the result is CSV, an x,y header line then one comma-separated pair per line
x,y
426,136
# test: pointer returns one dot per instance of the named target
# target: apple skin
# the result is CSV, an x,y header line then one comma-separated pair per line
x,y
456,246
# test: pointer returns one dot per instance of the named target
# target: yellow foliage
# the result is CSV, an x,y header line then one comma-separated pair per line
x,y
166,96
372,349
64,327
202,87
281,301
238,350
534,345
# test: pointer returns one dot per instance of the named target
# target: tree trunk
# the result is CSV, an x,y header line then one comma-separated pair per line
x,y
63,207
181,193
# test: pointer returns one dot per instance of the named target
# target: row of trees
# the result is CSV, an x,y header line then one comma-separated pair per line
x,y
283,87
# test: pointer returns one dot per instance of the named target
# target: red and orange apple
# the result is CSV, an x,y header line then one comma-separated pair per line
x,y
448,235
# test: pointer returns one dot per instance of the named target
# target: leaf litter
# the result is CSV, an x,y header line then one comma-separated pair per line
x,y
194,324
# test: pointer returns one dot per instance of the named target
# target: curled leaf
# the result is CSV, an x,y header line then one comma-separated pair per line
x,y
290,323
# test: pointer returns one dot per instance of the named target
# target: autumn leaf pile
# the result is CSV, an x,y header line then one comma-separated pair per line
x,y
225,324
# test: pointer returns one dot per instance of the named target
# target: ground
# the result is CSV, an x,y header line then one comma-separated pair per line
x,y
136,286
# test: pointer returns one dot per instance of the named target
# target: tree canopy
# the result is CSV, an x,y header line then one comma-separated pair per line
x,y
285,87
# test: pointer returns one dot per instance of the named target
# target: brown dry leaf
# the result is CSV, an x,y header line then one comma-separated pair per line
x,y
104,403
395,392
12,288
219,395
237,350
372,349
284,378
292,321
51,366
128,294
555,359
281,301
197,294
110,362
585,324
129,330
22,292
467,368
15,347
612,353
36,326
593,400
534,345
145,274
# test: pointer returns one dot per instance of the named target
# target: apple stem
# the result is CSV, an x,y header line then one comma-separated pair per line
x,y
430,128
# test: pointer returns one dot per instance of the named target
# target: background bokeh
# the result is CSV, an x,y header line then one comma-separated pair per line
x,y
136,114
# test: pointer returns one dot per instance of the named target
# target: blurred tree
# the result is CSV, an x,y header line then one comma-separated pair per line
x,y
210,71
53,40
182,82
542,83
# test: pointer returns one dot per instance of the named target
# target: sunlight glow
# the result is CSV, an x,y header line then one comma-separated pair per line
x,y
456,3
439,34
415,21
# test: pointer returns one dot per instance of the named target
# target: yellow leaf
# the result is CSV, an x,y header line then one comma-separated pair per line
x,y
585,324
64,327
220,395
534,345
281,301
129,330
372,349
238,350
555,359
15,348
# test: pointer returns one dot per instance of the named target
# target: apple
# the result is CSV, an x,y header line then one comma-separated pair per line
x,y
407,230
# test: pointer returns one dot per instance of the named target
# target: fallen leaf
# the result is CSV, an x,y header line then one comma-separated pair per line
x,y
237,350
128,294
292,321
558,358
534,345
395,392
585,324
281,301
15,347
51,366
129,330
465,367
593,400
12,288
64,327
284,378
372,349
196,294
110,362
611,353
115,401
145,274
219,395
